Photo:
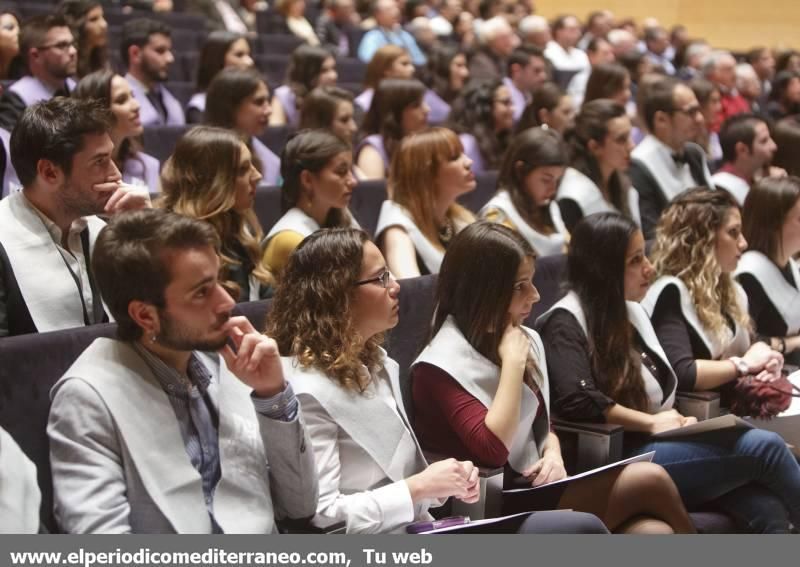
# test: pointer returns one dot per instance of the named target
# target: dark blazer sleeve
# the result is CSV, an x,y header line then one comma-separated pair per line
x,y
574,392
673,333
651,201
11,108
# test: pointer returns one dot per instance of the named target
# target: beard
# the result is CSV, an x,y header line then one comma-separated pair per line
x,y
80,202
152,72
178,337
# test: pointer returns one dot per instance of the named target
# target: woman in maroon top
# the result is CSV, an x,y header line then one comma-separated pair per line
x,y
480,389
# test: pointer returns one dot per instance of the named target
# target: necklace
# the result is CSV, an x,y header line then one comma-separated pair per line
x,y
446,232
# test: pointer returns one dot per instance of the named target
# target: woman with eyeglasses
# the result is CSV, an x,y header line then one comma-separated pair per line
x,y
526,190
335,301
600,149
483,116
415,226
608,364
481,391
318,182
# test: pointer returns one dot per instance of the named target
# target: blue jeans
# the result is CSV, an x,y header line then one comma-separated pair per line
x,y
748,472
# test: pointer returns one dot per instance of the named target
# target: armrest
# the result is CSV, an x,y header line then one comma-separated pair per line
x,y
702,405
490,502
596,444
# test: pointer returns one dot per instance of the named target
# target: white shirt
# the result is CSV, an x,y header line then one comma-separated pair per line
x,y
563,60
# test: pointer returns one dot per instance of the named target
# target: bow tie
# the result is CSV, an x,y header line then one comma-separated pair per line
x,y
679,158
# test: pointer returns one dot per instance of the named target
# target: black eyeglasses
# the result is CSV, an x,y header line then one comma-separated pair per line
x,y
61,46
691,112
383,279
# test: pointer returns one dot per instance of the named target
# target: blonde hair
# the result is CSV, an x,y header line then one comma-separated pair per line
x,y
199,180
413,173
685,248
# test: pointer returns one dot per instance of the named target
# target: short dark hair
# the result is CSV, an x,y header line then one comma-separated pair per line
x,y
54,130
33,31
137,32
659,96
130,259
737,128
522,55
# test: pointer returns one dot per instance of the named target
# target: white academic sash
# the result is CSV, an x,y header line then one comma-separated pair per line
x,y
733,184
393,214
783,296
578,187
653,154
543,244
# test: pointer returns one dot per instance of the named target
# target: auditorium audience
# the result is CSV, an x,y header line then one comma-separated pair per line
x,y
445,75
172,375
221,49
666,162
609,81
146,50
497,41
318,183
47,47
657,47
709,98
551,108
211,177
388,31
389,62
748,85
599,154
562,50
608,364
483,116
527,71
693,57
747,152
309,67
480,390
373,475
535,31
598,24
763,61
89,27
61,151
238,99
526,190
137,167
399,109
414,228
788,60
786,134
330,108
10,63
768,271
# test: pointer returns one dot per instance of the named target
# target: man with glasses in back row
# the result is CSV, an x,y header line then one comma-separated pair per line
x,y
49,51
666,163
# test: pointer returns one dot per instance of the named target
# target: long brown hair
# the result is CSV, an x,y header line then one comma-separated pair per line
x,y
385,116
765,210
596,273
412,178
311,309
198,180
476,283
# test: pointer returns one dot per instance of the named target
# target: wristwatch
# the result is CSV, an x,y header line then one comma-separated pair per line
x,y
742,369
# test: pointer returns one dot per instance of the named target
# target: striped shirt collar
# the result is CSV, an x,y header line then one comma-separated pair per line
x,y
173,383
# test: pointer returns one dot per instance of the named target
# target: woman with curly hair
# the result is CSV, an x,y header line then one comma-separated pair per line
x,y
768,272
211,176
526,190
428,174
137,167
699,312
389,62
481,391
334,303
221,49
309,67
600,148
238,99
318,182
90,29
606,363
398,110
445,74
551,108
483,116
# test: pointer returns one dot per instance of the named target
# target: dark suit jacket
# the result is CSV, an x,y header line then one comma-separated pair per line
x,y
330,33
485,66
652,200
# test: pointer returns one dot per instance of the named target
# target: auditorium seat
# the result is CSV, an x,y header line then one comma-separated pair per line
x,y
484,190
159,141
275,138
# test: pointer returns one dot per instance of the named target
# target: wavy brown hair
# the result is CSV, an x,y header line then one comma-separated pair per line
x,y
311,309
685,245
198,180
412,178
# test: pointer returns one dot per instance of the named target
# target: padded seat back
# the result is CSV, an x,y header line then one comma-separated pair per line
x,y
486,185
159,141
